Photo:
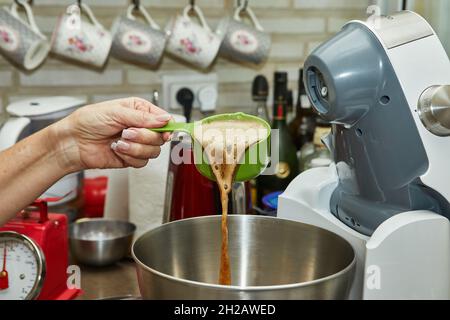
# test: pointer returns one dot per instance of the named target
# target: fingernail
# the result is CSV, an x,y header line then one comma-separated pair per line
x,y
129,134
114,146
163,117
122,145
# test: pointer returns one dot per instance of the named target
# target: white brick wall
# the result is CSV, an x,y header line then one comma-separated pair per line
x,y
296,27
331,4
97,3
143,77
270,4
336,24
312,46
104,97
287,50
75,77
180,4
5,78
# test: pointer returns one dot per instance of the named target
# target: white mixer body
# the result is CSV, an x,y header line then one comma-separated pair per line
x,y
408,255
420,64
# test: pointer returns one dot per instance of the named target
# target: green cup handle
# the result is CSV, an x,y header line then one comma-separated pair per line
x,y
175,126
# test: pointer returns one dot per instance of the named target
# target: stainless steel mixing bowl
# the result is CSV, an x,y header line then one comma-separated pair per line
x,y
271,258
100,242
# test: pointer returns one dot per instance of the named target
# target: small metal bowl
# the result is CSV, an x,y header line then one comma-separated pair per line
x,y
100,242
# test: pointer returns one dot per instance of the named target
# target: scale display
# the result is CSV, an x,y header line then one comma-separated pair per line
x,y
22,267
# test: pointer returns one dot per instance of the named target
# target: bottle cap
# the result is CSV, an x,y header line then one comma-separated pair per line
x,y
319,133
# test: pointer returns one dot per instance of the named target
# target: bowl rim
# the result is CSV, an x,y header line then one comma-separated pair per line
x,y
345,270
84,220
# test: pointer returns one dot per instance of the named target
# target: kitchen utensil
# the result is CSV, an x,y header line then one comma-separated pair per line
x,y
248,169
388,191
185,97
136,41
100,242
270,258
77,39
35,247
31,115
192,42
242,42
20,41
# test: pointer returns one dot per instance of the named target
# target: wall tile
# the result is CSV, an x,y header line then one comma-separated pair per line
x,y
336,24
294,25
97,3
313,45
143,77
331,4
182,3
5,78
104,97
270,4
43,78
287,50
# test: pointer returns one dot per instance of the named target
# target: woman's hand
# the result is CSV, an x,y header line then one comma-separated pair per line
x,y
111,134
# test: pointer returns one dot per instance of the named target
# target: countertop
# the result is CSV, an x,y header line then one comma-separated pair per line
x,y
113,281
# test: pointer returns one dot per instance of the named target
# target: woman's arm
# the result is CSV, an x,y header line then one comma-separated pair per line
x,y
107,135
27,169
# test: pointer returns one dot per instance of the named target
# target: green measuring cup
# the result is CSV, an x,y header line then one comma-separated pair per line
x,y
256,156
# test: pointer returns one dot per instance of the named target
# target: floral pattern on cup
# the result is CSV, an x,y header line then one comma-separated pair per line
x,y
192,42
81,40
244,41
78,44
189,46
9,39
136,41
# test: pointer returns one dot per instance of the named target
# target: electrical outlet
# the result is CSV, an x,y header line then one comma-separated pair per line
x,y
172,83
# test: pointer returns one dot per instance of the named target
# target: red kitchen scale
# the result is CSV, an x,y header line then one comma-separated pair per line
x,y
34,256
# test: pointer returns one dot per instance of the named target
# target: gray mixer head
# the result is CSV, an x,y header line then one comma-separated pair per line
x,y
375,142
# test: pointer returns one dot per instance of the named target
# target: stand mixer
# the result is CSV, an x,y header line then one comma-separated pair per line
x,y
385,86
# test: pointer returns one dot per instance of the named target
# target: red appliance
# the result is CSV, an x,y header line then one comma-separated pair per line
x,y
94,194
188,193
49,232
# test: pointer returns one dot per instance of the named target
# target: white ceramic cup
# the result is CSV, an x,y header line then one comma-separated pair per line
x,y
242,42
192,42
80,40
22,42
136,41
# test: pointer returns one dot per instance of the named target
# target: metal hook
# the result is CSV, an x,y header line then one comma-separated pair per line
x,y
244,7
30,2
137,4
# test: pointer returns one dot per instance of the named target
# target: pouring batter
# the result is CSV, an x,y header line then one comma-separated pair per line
x,y
224,143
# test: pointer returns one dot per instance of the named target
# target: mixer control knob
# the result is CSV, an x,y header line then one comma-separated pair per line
x,y
434,110
324,92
